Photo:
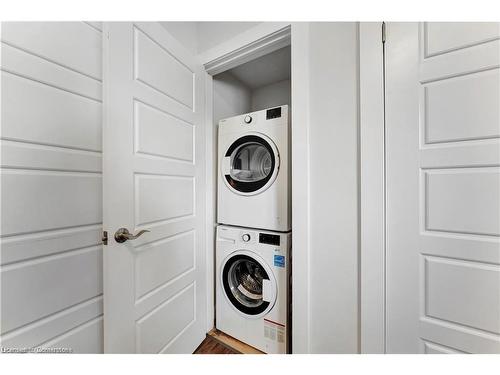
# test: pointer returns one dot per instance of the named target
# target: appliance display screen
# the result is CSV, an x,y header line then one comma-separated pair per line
x,y
269,239
273,113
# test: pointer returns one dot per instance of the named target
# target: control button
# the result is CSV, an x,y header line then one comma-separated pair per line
x,y
245,237
247,119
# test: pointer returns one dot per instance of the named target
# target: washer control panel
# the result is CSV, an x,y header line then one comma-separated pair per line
x,y
249,237
269,239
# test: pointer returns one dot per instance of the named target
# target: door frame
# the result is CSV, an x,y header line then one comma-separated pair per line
x,y
254,43
372,189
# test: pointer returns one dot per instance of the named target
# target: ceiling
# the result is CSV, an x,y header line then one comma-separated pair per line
x,y
265,70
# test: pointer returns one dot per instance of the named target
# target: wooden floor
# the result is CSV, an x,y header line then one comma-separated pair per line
x,y
212,346
218,342
232,343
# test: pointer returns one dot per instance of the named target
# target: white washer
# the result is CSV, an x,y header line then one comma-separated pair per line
x,y
254,170
252,284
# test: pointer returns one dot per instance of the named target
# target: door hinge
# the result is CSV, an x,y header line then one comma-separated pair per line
x,y
383,32
105,237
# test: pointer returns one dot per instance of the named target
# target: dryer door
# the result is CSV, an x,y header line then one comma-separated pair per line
x,y
248,283
250,164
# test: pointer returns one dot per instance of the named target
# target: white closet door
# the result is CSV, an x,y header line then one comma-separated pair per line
x,y
443,187
154,286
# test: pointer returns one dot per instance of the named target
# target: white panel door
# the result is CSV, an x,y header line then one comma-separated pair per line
x,y
51,186
443,188
154,286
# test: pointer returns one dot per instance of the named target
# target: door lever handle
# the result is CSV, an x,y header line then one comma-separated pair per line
x,y
123,235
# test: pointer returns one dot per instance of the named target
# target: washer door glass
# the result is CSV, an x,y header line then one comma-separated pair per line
x,y
252,163
242,278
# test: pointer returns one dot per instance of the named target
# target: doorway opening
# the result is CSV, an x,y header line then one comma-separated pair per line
x,y
260,82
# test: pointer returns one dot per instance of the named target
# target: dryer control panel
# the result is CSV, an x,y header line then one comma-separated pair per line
x,y
273,113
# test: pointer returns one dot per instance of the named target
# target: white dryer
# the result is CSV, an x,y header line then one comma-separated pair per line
x,y
252,284
254,170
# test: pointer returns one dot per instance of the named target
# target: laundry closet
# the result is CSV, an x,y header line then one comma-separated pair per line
x,y
252,201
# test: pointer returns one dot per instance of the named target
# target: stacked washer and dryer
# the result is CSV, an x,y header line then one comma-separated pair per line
x,y
253,250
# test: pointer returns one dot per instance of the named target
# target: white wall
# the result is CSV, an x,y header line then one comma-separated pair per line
x,y
199,37
211,34
185,32
272,95
300,192
334,187
51,253
372,204
231,97
325,187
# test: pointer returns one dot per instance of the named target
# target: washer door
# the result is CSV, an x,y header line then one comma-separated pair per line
x,y
248,283
250,164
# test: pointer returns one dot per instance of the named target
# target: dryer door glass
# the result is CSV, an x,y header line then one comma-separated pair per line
x,y
252,163
242,279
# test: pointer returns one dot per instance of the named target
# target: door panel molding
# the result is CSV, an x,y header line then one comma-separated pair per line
x,y
442,188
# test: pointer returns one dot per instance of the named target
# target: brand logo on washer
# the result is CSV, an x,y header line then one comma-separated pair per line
x,y
279,261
